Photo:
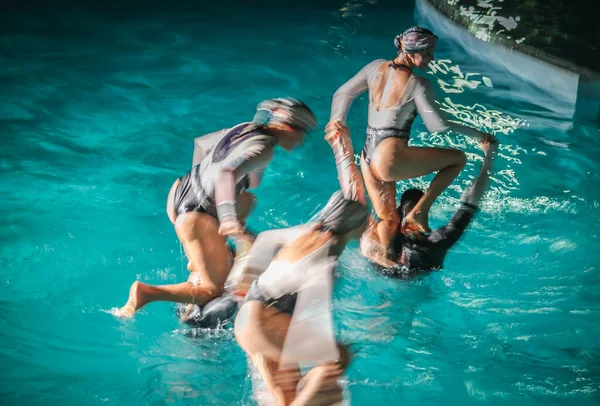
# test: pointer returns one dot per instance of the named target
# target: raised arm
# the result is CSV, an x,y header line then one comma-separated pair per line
x,y
476,191
349,175
425,99
450,233
338,136
204,143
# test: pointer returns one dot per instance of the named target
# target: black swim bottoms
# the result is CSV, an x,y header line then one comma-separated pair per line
x,y
376,135
285,304
185,200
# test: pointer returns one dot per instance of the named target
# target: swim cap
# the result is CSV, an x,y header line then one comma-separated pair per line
x,y
341,215
415,39
289,111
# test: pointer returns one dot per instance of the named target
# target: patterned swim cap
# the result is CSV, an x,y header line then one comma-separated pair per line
x,y
415,39
341,215
290,111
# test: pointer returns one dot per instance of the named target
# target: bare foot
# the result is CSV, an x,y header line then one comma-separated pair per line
x,y
417,222
134,303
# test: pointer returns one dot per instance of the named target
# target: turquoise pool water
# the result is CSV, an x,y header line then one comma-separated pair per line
x,y
97,117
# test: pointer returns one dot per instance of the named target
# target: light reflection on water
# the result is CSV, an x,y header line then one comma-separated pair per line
x,y
93,144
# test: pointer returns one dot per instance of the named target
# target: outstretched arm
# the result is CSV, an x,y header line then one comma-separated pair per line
x,y
345,95
338,135
450,233
434,120
475,192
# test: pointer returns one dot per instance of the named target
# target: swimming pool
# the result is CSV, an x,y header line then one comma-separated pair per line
x,y
97,119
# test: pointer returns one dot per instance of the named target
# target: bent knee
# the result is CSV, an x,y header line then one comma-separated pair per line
x,y
392,223
211,290
386,176
389,216
460,159
391,226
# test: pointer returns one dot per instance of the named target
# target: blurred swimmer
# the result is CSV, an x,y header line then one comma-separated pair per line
x,y
210,202
285,320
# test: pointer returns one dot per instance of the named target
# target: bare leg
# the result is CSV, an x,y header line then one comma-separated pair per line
x,y
281,384
171,210
321,386
261,333
209,260
261,330
383,199
393,161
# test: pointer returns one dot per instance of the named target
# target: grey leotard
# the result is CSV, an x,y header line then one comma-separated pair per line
x,y
245,148
395,121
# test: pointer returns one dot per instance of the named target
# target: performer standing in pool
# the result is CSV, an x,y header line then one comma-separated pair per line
x,y
396,97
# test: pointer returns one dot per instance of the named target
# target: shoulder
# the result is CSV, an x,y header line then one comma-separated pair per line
x,y
260,143
423,88
236,128
212,134
371,68
264,140
421,82
258,136
375,64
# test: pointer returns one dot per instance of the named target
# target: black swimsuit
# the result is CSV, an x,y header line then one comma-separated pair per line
x,y
429,253
185,200
285,304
